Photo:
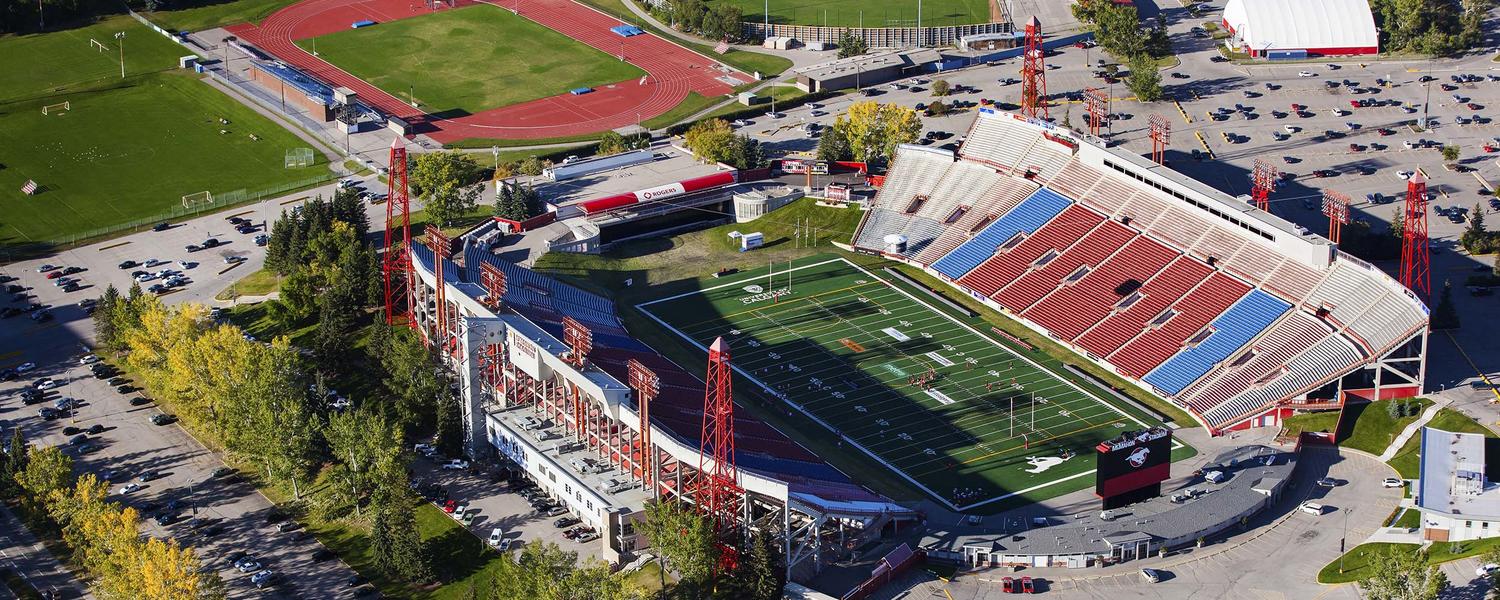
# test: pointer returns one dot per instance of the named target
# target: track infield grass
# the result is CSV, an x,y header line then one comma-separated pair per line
x,y
864,13
844,346
470,59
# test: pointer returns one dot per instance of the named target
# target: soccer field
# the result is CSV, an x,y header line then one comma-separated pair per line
x,y
951,409
469,59
864,13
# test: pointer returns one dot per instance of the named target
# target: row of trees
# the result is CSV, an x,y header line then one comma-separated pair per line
x,y
869,132
104,536
687,544
1439,27
447,184
714,140
1117,28
517,202
715,21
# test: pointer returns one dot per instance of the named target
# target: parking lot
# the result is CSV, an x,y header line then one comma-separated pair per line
x,y
494,503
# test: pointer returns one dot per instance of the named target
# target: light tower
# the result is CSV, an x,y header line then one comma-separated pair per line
x,y
1034,73
395,266
1336,207
646,385
1095,100
1262,181
1161,135
717,492
1416,263
441,250
492,279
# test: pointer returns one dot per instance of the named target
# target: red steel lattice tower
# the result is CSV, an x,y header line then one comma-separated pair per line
x,y
492,279
1416,262
646,385
395,266
1161,135
441,250
717,492
1262,182
1034,73
1095,101
1336,207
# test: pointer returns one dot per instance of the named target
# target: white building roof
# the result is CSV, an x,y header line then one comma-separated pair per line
x,y
1452,476
1302,24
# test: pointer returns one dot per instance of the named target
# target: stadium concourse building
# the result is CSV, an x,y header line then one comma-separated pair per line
x,y
573,424
1292,29
1458,489
1233,314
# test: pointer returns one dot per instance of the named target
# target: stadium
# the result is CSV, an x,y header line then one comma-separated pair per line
x,y
1234,315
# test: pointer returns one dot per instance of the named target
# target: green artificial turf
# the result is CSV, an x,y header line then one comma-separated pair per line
x,y
470,59
129,152
865,13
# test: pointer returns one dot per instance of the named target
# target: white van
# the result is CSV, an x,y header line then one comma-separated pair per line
x,y
1214,476
1312,508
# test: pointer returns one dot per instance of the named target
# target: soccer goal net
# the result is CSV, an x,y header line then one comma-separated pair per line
x,y
196,200
297,158
52,109
98,45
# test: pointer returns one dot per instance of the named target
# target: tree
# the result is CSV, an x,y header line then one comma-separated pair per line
x,y
834,145
1403,575
1450,152
445,183
46,472
874,130
272,422
710,140
940,87
365,444
722,22
15,462
533,166
1445,315
682,538
611,143
411,380
1144,81
761,573
450,423
745,153
395,542
937,109
851,45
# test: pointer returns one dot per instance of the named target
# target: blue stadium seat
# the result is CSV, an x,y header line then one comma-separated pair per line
x,y
1028,216
1232,330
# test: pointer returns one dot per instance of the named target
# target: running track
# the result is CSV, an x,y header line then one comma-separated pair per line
x,y
672,71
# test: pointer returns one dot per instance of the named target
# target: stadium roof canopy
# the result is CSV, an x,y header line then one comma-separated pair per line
x,y
1317,26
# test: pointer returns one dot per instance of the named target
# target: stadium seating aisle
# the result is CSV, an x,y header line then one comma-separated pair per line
x,y
1329,356
1075,180
996,201
1160,292
1090,250
1028,216
1045,159
1068,312
1231,331
1008,265
1188,315
1283,341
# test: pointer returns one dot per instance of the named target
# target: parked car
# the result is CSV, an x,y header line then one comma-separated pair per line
x,y
456,464
497,535
1392,482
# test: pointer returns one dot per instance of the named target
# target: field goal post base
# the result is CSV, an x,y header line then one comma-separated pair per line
x,y
298,158
196,200
57,108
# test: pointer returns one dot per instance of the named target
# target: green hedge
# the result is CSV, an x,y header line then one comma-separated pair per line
x,y
755,111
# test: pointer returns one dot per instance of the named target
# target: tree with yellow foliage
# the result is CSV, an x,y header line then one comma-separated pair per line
x,y
873,130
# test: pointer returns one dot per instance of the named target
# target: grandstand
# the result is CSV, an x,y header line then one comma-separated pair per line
x,y
1230,312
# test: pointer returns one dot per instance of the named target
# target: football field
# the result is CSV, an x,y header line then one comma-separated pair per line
x,y
956,412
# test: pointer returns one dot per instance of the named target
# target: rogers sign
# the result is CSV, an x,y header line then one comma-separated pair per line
x,y
663,191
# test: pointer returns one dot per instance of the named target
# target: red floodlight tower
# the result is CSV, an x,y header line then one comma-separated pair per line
x,y
1336,206
395,265
1161,135
492,279
646,385
1416,262
1096,102
1262,182
1034,73
441,250
717,492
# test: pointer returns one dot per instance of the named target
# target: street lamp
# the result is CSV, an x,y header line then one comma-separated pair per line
x,y
120,39
228,66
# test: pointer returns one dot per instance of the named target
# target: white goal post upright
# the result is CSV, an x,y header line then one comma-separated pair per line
x,y
98,45
56,108
196,199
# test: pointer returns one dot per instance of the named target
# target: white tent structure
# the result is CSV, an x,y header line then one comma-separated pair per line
x,y
1301,28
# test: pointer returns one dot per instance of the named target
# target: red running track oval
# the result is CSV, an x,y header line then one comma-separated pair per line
x,y
671,70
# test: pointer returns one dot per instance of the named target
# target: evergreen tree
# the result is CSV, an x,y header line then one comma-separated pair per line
x,y
395,542
834,145
450,423
106,330
1445,315
15,462
761,572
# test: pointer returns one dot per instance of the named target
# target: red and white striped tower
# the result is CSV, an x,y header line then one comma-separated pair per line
x,y
395,265
1416,262
717,491
1034,73
1262,181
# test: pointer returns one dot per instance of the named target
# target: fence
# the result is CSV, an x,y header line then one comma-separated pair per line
x,y
221,200
876,37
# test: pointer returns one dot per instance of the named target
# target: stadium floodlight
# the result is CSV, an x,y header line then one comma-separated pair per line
x,y
120,40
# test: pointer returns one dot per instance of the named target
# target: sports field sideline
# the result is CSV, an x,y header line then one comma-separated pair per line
x,y
950,409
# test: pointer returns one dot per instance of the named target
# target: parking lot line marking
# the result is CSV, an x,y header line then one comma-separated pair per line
x,y
1482,376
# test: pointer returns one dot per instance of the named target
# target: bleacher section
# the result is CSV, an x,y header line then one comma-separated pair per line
x,y
1204,306
1236,327
1028,216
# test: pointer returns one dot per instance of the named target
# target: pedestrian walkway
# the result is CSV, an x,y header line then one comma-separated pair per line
x,y
1412,429
1395,535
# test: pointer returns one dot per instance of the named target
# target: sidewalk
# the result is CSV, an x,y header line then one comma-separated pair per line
x,y
1412,429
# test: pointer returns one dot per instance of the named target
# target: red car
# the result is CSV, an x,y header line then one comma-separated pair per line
x,y
1026,586
54,274
449,506
1384,131
1007,585
1475,106
1297,107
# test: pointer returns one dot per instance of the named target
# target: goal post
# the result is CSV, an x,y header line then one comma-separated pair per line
x,y
197,200
98,45
297,158
52,109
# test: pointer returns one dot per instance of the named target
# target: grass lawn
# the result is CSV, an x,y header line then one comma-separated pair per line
x,y
1374,429
687,108
471,59
38,65
128,153
782,93
258,283
1407,461
1357,561
749,62
867,13
197,15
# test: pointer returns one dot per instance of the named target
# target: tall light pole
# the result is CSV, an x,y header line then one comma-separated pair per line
x,y
1428,102
228,66
120,40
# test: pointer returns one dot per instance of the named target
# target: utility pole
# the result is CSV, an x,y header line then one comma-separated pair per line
x,y
120,39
